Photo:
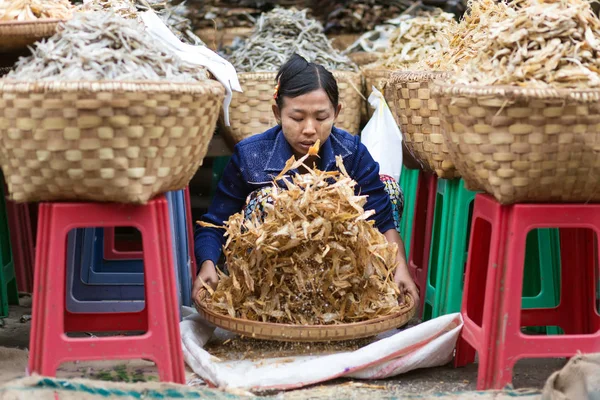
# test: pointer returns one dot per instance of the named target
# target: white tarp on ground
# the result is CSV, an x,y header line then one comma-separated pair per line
x,y
429,344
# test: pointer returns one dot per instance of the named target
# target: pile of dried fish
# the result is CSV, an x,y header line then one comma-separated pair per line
x,y
31,10
314,259
173,16
470,35
357,16
206,16
417,39
103,46
281,33
541,44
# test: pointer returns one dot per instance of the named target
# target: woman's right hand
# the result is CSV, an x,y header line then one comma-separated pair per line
x,y
208,274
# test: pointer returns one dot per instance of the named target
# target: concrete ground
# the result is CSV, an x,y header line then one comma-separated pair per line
x,y
14,332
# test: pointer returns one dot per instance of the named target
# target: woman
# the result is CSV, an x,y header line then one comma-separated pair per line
x,y
306,108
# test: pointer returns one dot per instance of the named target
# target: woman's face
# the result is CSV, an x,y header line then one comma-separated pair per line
x,y
306,118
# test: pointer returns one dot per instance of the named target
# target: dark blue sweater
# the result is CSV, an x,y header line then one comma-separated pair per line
x,y
258,159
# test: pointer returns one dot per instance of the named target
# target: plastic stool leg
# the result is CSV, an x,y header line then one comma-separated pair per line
x,y
408,183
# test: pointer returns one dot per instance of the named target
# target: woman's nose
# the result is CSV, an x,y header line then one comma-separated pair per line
x,y
309,128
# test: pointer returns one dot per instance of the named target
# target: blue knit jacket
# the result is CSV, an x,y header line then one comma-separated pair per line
x,y
258,159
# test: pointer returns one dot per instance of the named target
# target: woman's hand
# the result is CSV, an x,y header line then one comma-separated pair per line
x,y
208,274
406,284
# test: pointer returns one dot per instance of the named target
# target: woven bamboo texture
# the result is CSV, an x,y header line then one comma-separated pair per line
x,y
15,35
104,141
251,112
309,333
361,58
341,41
524,145
378,78
217,39
419,119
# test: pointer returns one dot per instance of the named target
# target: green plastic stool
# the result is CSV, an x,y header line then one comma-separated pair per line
x,y
9,293
450,241
409,178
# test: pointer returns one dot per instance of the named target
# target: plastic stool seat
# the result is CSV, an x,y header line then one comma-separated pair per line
x,y
161,343
492,306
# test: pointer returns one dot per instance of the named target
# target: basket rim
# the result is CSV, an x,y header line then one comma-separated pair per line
x,y
302,331
377,71
35,28
417,76
109,86
515,92
270,75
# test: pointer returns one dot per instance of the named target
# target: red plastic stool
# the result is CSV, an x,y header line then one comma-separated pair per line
x,y
128,250
491,307
420,242
21,235
49,346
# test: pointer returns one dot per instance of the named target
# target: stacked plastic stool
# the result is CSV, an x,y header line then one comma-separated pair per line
x,y
112,280
159,319
8,284
420,239
492,310
409,179
451,227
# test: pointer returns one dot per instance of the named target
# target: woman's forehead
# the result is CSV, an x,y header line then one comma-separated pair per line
x,y
315,101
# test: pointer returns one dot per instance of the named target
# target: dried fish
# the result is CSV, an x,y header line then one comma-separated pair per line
x,y
281,33
417,39
103,46
173,17
31,10
312,258
540,44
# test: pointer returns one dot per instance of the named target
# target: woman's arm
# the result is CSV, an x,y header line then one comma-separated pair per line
x,y
229,199
402,276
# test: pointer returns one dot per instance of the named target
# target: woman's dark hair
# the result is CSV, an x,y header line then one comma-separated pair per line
x,y
298,76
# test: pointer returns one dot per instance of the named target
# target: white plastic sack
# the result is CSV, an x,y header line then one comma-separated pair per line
x,y
429,344
383,138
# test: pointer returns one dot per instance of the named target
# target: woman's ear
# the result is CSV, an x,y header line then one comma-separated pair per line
x,y
337,110
277,113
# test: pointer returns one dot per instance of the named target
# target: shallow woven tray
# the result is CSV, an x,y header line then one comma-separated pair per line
x,y
16,35
104,141
419,119
524,145
309,333
341,41
251,112
217,39
361,58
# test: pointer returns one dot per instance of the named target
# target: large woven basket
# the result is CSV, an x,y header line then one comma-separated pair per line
x,y
217,39
251,111
377,77
361,58
524,145
104,141
419,119
16,35
310,333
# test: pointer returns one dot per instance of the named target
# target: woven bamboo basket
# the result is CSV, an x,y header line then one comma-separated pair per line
x,y
104,141
341,41
419,119
217,39
15,35
361,58
524,145
309,333
251,111
377,77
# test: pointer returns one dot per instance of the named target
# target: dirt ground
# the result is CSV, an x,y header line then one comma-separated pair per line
x,y
14,332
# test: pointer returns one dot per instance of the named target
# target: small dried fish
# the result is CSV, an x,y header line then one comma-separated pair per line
x,y
417,39
103,46
31,10
313,259
539,44
279,34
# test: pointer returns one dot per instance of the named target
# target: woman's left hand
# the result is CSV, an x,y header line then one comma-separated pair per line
x,y
406,284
